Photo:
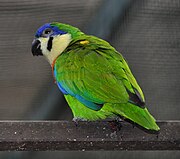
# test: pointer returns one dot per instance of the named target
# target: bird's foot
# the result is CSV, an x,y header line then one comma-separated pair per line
x,y
157,136
77,119
115,125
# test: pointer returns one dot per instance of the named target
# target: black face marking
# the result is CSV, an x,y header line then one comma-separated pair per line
x,y
36,48
49,44
135,99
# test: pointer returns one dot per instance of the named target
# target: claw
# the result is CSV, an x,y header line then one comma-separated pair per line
x,y
115,125
77,119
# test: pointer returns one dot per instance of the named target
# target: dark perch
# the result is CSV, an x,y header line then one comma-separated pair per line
x,y
65,135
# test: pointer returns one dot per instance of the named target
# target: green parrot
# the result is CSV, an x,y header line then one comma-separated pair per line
x,y
93,76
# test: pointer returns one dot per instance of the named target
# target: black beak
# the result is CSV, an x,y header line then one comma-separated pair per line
x,y
36,48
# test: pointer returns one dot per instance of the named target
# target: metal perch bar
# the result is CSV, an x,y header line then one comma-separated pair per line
x,y
66,135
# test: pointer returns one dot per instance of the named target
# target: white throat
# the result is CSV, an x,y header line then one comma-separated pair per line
x,y
59,44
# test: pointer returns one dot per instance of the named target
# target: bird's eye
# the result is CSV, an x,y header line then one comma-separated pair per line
x,y
47,32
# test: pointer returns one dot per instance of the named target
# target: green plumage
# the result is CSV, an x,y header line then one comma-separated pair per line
x,y
91,68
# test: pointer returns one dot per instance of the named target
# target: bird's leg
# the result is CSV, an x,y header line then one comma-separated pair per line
x,y
157,136
133,124
115,125
77,119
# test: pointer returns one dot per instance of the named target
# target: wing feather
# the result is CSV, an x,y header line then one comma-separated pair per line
x,y
96,72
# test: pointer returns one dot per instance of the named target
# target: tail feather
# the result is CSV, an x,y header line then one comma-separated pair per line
x,y
138,115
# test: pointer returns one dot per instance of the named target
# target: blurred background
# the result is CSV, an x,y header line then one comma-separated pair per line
x,y
146,32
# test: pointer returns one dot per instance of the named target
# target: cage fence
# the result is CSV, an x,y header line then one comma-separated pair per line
x,y
145,32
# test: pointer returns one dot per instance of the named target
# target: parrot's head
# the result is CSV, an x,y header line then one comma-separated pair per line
x,y
52,39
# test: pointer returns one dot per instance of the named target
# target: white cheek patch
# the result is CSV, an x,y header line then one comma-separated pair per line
x,y
44,43
59,44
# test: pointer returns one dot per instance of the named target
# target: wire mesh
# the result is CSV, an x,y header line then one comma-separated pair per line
x,y
148,37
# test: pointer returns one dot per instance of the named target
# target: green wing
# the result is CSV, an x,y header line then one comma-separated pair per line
x,y
97,72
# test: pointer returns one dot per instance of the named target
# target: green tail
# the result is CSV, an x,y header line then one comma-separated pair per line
x,y
138,115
